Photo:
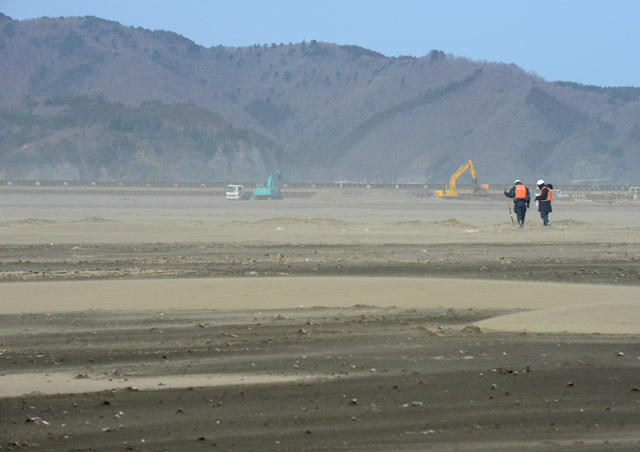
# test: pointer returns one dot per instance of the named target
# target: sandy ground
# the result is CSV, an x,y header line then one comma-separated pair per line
x,y
353,320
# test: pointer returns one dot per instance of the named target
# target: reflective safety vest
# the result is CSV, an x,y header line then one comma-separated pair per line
x,y
521,191
549,196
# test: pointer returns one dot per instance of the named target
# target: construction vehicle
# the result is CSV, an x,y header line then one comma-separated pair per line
x,y
236,193
450,189
271,189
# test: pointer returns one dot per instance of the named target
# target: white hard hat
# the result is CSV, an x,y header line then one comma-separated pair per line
x,y
540,182
517,181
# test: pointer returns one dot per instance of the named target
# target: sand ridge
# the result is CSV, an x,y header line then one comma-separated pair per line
x,y
558,307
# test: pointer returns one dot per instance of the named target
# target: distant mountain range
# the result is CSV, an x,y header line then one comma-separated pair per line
x,y
82,98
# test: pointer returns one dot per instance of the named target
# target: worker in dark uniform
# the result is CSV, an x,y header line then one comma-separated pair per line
x,y
521,199
544,201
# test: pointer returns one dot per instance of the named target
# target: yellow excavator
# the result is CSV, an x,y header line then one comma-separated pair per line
x,y
450,189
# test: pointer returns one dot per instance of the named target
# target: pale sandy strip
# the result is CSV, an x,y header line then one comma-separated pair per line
x,y
293,292
617,317
14,385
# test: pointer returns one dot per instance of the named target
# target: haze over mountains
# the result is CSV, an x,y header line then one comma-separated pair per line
x,y
82,98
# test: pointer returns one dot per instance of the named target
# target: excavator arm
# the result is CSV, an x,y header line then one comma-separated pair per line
x,y
459,171
451,187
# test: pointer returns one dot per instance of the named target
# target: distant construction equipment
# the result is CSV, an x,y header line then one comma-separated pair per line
x,y
271,188
450,189
236,192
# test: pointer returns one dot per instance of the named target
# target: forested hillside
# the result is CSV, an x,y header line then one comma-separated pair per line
x,y
83,98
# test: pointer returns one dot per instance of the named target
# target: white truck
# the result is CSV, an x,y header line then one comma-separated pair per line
x,y
236,192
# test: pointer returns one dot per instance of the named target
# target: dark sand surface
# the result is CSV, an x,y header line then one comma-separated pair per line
x,y
348,321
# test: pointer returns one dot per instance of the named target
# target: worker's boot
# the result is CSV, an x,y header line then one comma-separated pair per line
x,y
521,224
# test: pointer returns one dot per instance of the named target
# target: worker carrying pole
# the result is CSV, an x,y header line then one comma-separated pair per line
x,y
521,200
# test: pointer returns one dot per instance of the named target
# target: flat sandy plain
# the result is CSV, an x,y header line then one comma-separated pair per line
x,y
353,320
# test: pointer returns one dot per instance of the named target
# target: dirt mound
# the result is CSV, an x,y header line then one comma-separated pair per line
x,y
416,223
452,222
28,221
293,220
94,220
569,222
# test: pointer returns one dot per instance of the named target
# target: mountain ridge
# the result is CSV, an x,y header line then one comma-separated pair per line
x,y
317,111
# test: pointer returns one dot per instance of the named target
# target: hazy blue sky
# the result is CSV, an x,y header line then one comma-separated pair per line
x,y
585,41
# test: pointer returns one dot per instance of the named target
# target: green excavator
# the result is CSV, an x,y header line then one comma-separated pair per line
x,y
271,189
